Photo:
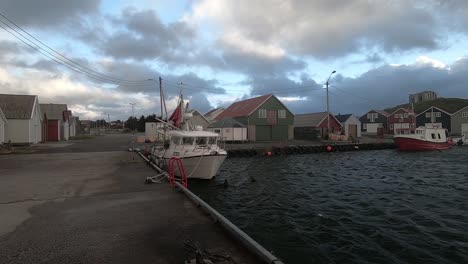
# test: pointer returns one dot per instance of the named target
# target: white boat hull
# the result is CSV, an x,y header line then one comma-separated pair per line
x,y
198,167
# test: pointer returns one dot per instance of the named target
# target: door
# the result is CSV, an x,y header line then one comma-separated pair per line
x,y
352,130
263,133
53,130
464,130
372,127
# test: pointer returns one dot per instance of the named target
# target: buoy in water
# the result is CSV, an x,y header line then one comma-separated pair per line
x,y
329,148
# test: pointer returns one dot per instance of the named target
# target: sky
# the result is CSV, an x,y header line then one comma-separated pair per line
x,y
98,56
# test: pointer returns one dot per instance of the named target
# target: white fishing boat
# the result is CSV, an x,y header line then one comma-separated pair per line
x,y
200,151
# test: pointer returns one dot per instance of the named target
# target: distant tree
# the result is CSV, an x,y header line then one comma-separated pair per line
x,y
141,124
131,123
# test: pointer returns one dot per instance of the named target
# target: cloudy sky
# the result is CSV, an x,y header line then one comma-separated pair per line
x,y
97,56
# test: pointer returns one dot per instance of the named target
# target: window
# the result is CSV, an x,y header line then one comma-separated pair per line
x,y
438,135
428,114
406,115
437,114
364,126
433,136
217,130
187,140
369,115
464,114
175,140
228,130
211,140
262,113
202,141
282,113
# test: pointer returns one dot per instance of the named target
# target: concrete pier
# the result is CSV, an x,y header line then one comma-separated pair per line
x,y
76,204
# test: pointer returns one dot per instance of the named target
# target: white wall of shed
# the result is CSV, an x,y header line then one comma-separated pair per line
x,y
17,131
2,130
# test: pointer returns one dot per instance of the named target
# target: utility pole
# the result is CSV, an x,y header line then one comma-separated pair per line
x,y
133,115
108,118
328,103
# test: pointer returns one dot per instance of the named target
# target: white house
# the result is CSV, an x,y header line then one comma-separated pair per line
x,y
58,125
24,118
3,122
229,130
351,125
197,119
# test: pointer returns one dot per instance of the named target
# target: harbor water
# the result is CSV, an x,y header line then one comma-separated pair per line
x,y
380,206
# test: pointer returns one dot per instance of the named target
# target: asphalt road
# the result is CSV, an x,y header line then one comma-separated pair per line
x,y
87,203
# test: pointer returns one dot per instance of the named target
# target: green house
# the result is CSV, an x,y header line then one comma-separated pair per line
x,y
266,118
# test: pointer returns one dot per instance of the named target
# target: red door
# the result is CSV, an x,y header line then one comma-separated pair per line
x,y
53,130
272,117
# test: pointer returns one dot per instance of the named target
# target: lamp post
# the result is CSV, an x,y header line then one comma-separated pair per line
x,y
328,103
133,115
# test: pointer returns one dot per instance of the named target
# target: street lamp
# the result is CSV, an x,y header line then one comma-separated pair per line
x,y
328,103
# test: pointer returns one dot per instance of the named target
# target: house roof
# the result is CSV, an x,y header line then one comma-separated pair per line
x,y
213,110
463,108
193,111
244,107
343,118
17,106
226,122
404,109
435,107
53,111
382,112
311,119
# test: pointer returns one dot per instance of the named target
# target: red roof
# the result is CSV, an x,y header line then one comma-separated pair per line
x,y
243,108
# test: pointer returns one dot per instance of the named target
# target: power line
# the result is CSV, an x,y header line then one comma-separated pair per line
x,y
61,59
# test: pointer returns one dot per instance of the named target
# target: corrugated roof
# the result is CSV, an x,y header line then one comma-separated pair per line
x,y
17,106
53,111
309,120
342,118
382,112
226,122
243,108
212,111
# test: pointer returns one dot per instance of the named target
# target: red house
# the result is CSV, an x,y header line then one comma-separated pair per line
x,y
401,119
305,123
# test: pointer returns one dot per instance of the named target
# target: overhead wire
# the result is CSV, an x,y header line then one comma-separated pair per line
x,y
59,58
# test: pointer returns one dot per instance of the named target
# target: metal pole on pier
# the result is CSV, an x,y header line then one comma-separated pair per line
x,y
328,103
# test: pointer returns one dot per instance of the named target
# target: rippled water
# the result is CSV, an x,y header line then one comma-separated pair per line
x,y
351,207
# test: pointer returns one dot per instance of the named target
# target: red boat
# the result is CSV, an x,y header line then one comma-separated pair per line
x,y
423,139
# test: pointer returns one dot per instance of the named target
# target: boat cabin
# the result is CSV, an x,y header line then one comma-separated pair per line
x,y
193,138
424,133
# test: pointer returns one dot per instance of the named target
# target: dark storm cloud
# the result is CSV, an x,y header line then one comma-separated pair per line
x,y
47,13
142,36
380,88
254,65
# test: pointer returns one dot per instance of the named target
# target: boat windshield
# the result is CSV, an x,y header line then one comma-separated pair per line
x,y
188,140
212,140
175,140
202,140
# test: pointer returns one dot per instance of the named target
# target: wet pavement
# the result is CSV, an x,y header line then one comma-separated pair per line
x,y
86,202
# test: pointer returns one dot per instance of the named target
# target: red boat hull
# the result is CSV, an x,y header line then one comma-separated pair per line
x,y
411,144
